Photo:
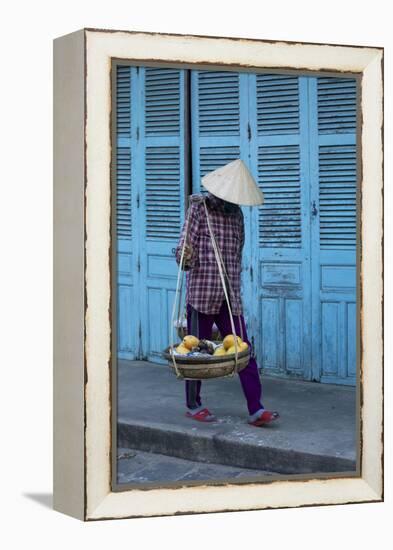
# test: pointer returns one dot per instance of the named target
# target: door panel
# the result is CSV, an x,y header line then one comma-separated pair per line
x,y
333,165
162,198
150,184
279,160
127,327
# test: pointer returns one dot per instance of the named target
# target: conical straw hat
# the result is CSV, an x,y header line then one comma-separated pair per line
x,y
234,183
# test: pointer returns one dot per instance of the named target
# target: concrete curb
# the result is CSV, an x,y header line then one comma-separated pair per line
x,y
227,450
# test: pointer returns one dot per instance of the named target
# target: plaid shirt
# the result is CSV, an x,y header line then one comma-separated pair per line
x,y
204,290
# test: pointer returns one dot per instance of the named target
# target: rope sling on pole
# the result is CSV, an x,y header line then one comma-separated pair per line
x,y
179,285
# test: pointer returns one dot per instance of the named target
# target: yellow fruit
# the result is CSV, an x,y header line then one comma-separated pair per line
x,y
182,349
190,341
229,341
243,346
219,351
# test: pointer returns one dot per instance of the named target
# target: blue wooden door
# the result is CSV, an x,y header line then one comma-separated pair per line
x,y
333,169
161,148
127,238
281,263
150,180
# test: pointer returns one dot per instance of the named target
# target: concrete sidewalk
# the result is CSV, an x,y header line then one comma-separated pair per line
x,y
316,431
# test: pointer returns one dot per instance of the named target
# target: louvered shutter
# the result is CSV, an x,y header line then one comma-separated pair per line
x,y
279,178
123,161
277,104
277,99
124,190
150,179
162,162
163,198
123,100
337,196
217,111
336,105
123,174
337,163
281,264
161,147
334,228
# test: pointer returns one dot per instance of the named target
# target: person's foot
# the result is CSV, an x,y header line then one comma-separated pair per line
x,y
265,417
202,415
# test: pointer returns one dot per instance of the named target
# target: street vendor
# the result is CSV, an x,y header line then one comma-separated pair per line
x,y
228,187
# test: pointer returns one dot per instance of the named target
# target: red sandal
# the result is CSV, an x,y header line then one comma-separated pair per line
x,y
265,418
203,415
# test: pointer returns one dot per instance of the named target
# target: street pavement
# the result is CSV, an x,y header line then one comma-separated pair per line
x,y
317,431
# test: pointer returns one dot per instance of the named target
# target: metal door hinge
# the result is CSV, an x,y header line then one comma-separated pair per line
x,y
137,200
139,265
249,131
251,273
137,133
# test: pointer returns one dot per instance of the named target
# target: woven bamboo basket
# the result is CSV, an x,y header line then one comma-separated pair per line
x,y
199,367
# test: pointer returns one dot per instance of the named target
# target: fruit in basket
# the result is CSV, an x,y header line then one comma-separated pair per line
x,y
241,347
190,341
204,346
182,349
220,350
229,341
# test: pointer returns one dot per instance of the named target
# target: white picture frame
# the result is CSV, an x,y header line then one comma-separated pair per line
x,y
83,342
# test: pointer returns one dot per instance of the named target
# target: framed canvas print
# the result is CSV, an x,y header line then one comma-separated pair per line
x,y
218,265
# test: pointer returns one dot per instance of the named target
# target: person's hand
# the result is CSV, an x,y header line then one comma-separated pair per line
x,y
187,257
187,253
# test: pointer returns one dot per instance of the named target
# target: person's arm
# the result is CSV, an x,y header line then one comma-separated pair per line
x,y
190,259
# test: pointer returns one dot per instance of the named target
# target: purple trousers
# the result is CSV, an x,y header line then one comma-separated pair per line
x,y
201,325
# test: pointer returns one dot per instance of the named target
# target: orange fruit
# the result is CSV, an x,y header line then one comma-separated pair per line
x,y
182,349
229,341
190,341
241,347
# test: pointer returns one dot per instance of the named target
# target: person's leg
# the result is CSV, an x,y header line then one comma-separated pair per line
x,y
200,325
249,376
